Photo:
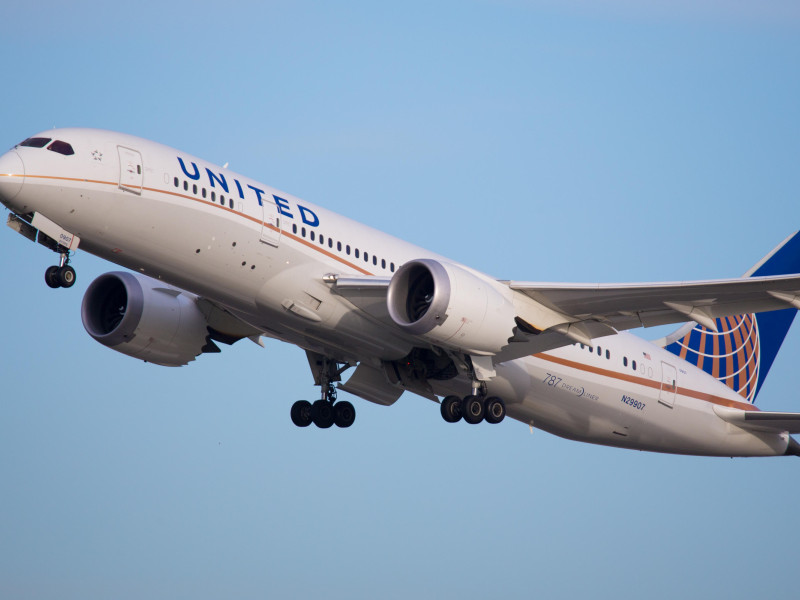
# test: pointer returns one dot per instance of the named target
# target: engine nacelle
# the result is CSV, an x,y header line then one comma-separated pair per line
x,y
145,319
450,306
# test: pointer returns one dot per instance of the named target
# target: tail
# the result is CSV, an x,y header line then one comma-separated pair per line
x,y
743,349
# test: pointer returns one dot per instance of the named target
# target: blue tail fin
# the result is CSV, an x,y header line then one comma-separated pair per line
x,y
741,353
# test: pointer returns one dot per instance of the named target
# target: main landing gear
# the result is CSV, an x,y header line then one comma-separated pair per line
x,y
325,412
62,275
473,409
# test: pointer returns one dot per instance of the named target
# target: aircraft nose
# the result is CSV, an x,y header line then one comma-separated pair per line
x,y
12,175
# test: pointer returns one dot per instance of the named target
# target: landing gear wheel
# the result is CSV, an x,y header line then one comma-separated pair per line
x,y
301,413
343,414
65,276
473,409
322,414
51,277
495,410
451,409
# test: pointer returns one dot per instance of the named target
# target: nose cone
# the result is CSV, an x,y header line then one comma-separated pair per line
x,y
12,174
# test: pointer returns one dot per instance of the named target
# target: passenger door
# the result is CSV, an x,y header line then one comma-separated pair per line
x,y
131,170
669,384
270,223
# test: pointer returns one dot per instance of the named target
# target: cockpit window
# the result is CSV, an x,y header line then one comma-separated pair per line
x,y
35,142
61,147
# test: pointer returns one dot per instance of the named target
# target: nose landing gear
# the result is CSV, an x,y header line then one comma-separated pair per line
x,y
62,275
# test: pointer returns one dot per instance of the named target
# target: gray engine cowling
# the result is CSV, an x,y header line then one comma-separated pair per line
x,y
451,306
145,319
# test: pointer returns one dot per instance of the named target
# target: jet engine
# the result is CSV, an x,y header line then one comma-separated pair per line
x,y
450,306
145,319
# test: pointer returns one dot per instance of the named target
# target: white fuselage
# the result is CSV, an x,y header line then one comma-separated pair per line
x,y
260,251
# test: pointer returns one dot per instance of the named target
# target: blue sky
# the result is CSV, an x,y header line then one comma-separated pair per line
x,y
543,141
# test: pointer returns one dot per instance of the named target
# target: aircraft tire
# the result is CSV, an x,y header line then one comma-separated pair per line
x,y
51,277
301,413
344,414
322,414
473,410
495,410
451,409
65,276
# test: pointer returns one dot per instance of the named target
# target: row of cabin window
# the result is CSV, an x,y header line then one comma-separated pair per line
x,y
203,192
608,356
312,235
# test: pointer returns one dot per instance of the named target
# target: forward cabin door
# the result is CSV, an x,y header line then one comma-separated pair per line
x,y
669,384
270,223
131,170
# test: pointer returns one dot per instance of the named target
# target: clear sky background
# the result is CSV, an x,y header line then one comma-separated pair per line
x,y
536,140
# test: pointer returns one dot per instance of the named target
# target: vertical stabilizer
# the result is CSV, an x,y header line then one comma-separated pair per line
x,y
743,349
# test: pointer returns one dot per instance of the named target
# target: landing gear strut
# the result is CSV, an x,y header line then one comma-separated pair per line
x,y
325,412
62,275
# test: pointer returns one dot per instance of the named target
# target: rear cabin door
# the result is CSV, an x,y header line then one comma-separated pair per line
x,y
131,170
271,223
669,384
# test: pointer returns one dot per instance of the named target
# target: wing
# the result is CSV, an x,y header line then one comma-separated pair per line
x,y
552,314
626,306
757,420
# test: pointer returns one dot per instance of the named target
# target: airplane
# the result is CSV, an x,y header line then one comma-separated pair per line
x,y
214,257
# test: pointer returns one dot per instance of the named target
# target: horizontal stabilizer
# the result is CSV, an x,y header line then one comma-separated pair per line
x,y
758,420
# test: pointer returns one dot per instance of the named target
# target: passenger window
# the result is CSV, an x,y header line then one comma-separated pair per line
x,y
330,243
348,249
303,232
374,260
230,202
339,246
311,235
175,181
194,189
356,252
366,256
213,196
624,361
321,239
391,267
608,354
204,192
185,185
383,263
294,227
633,364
